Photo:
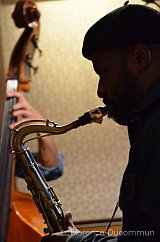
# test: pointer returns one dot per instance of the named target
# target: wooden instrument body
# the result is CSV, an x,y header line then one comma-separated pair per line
x,y
25,222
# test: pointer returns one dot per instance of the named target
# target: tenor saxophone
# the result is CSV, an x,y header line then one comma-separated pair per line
x,y
45,198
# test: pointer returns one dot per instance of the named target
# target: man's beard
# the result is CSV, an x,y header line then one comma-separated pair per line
x,y
121,109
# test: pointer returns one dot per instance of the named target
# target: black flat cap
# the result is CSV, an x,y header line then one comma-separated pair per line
x,y
125,26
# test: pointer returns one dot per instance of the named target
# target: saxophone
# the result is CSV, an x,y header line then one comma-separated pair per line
x,y
45,198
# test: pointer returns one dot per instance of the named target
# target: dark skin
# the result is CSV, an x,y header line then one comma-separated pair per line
x,y
123,79
124,76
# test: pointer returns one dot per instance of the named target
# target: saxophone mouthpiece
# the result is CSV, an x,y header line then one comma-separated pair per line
x,y
95,115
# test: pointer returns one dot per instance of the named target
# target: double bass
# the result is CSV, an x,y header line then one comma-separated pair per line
x,y
19,220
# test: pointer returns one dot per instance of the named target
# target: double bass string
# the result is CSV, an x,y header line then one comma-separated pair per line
x,y
7,119
5,157
12,86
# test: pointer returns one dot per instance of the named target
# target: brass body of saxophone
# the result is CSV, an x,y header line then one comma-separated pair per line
x,y
44,196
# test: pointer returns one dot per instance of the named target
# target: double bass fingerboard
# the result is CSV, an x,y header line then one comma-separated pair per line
x,y
6,159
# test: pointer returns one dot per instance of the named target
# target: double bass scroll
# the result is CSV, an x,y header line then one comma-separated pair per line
x,y
25,16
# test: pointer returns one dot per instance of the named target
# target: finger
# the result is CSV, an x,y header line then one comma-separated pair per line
x,y
69,221
21,112
13,125
14,94
20,105
69,216
21,101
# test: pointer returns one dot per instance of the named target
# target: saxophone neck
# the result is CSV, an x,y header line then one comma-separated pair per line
x,y
49,127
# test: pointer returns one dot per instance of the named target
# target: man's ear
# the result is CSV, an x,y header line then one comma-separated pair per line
x,y
141,56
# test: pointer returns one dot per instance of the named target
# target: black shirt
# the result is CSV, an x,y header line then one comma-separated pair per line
x,y
139,197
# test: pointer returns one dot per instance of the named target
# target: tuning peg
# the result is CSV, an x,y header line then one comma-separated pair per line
x,y
35,43
28,60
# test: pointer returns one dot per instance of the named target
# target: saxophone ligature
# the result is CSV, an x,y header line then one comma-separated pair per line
x,y
43,195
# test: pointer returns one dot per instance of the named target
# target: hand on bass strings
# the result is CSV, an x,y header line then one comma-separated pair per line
x,y
22,109
63,235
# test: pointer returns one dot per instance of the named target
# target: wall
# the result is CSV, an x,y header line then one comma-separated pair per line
x,y
63,89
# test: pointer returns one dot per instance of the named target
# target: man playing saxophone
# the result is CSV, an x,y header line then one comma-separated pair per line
x,y
124,47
